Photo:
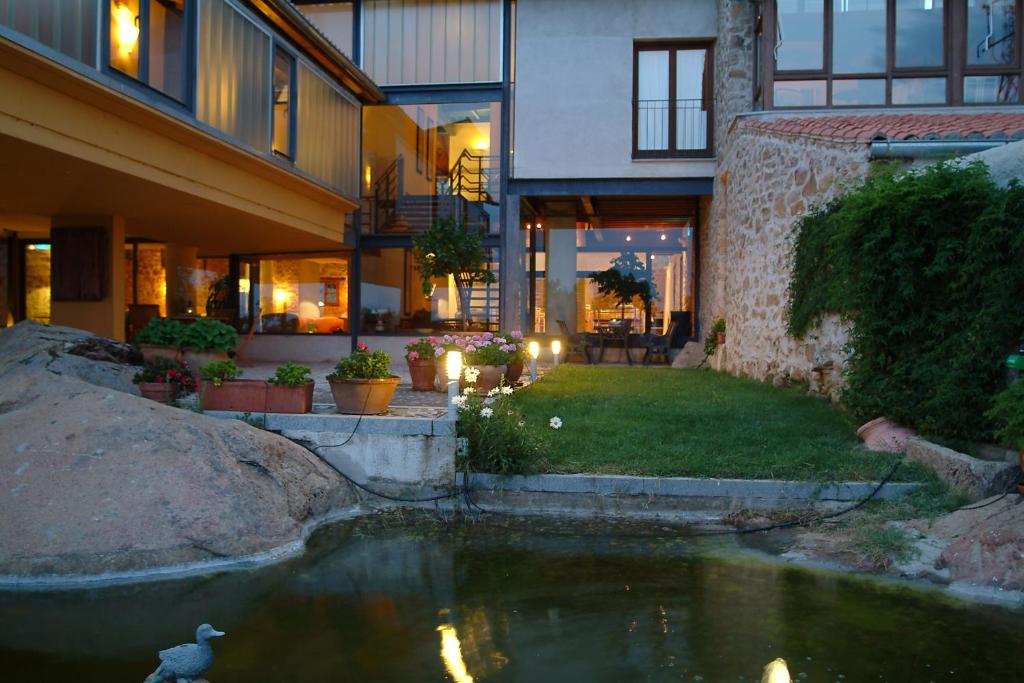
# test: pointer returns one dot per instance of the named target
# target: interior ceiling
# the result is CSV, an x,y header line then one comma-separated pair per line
x,y
37,181
617,211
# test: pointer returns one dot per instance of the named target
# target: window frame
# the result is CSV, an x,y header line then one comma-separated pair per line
x,y
672,47
293,100
188,101
954,69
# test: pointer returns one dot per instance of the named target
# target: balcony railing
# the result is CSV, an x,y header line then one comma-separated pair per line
x,y
657,131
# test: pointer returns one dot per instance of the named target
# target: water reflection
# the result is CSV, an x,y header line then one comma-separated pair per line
x,y
482,603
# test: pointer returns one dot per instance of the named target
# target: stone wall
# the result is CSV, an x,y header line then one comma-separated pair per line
x,y
766,181
734,66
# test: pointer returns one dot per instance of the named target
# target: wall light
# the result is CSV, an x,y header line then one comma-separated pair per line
x,y
126,29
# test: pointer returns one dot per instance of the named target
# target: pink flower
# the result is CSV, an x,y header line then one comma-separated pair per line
x,y
488,336
516,334
500,340
438,351
460,342
362,346
470,348
413,341
432,340
413,355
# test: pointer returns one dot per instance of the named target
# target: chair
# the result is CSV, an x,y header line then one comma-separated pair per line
x,y
575,343
659,344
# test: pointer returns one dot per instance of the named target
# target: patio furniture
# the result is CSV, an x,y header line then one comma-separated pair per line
x,y
614,334
575,342
138,317
280,323
659,344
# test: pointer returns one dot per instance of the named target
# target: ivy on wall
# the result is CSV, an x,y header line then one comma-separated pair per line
x,y
928,269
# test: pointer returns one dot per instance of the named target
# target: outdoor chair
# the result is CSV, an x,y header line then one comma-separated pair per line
x,y
659,344
574,342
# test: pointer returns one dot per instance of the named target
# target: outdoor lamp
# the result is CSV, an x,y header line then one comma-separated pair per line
x,y
556,348
776,672
453,365
534,349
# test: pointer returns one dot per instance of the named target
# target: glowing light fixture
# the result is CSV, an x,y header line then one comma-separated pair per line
x,y
451,655
629,238
534,349
453,366
556,349
244,285
280,296
539,226
481,144
126,29
776,672
663,237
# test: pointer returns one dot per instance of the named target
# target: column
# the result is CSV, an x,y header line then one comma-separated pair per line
x,y
178,274
560,300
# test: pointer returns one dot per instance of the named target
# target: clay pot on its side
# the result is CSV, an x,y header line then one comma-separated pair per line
x,y
161,392
881,434
363,396
238,395
423,373
150,352
285,399
514,372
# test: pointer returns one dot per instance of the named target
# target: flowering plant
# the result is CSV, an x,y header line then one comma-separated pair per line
x,y
166,371
497,436
485,349
363,364
422,349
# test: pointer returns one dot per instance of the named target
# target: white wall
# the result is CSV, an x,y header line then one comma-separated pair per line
x,y
574,84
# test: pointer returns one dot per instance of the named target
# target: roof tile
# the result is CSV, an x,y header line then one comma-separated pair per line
x,y
901,126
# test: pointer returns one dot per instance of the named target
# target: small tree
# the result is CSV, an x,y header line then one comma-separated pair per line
x,y
453,248
624,287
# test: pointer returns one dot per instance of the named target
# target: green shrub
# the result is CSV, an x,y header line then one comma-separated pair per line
x,y
362,364
162,332
291,375
220,371
498,439
927,267
206,334
1007,412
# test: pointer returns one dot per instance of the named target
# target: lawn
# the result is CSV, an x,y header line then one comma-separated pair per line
x,y
667,422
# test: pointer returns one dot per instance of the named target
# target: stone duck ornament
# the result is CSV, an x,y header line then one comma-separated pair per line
x,y
186,663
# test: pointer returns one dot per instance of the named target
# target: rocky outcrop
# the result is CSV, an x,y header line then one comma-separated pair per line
x,y
985,545
969,476
95,480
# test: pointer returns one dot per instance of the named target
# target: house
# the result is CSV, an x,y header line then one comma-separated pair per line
x,y
269,162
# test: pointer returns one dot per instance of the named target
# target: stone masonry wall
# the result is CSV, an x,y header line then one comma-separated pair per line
x,y
766,181
734,66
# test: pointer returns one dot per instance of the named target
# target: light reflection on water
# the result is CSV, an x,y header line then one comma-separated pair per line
x,y
482,603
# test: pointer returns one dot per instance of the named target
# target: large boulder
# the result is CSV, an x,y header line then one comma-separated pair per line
x,y
95,480
986,544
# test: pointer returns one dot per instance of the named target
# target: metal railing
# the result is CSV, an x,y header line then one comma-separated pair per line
x,y
691,124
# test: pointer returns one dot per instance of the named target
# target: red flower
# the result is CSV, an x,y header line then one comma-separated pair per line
x,y
362,346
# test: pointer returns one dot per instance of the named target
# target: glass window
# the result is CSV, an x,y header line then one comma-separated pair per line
x,y
799,93
991,32
156,28
334,19
432,41
671,119
393,299
800,35
426,161
991,89
37,282
858,91
68,26
858,36
284,71
919,33
692,99
918,90
296,295
652,99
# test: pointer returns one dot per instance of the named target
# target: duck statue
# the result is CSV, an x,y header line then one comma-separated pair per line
x,y
186,663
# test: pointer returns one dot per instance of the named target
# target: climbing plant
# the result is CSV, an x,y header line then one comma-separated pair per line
x,y
927,267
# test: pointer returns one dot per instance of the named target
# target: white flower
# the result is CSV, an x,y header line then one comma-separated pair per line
x,y
493,392
522,423
555,422
469,390
471,375
506,390
458,401
486,412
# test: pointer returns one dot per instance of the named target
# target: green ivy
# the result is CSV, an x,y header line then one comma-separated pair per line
x,y
207,334
927,268
162,332
291,375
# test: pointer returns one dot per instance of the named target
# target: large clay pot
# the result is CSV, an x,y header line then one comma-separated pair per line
x,y
514,372
423,373
363,396
197,359
238,395
150,352
881,434
285,399
489,377
161,392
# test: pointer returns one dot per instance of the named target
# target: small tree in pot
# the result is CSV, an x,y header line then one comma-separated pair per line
x,y
452,248
362,384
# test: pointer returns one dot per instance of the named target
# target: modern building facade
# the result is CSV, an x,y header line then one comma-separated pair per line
x,y
269,162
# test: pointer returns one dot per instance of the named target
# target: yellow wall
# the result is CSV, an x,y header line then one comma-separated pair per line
x,y
104,317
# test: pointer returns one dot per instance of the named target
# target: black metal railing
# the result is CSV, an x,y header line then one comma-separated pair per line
x,y
654,125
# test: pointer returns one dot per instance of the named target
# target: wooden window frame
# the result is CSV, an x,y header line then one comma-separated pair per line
x,y
673,46
954,69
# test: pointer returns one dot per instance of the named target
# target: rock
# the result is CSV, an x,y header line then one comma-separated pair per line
x,y
986,545
968,476
94,480
690,356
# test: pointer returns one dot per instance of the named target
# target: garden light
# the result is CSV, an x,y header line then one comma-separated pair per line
x,y
556,349
453,364
534,349
776,672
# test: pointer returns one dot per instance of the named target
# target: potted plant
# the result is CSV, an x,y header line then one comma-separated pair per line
x,y
715,337
290,390
487,358
163,380
517,358
160,338
1007,412
450,247
207,340
362,384
421,356
222,390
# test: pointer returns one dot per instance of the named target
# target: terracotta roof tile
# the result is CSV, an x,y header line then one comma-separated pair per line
x,y
902,126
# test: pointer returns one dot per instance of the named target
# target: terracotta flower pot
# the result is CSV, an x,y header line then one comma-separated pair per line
x,y
489,377
881,434
161,392
720,338
285,399
363,396
197,359
423,373
514,372
150,352
238,395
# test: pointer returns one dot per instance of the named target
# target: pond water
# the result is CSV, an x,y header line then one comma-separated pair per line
x,y
379,601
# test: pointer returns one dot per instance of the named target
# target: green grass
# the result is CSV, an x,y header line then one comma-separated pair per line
x,y
666,422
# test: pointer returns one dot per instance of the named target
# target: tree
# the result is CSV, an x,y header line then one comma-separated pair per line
x,y
453,248
624,286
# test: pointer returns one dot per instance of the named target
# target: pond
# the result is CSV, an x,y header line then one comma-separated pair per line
x,y
387,599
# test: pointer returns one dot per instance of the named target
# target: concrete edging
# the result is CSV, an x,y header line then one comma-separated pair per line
x,y
367,424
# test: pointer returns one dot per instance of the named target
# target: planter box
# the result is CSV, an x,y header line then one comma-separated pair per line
x,y
283,399
363,396
161,392
240,395
151,352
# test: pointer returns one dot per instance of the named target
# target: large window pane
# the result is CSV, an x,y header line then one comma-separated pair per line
x,y
799,93
918,91
652,99
991,89
858,91
327,144
432,41
692,100
37,282
166,49
919,37
858,36
991,31
800,35
68,26
301,295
